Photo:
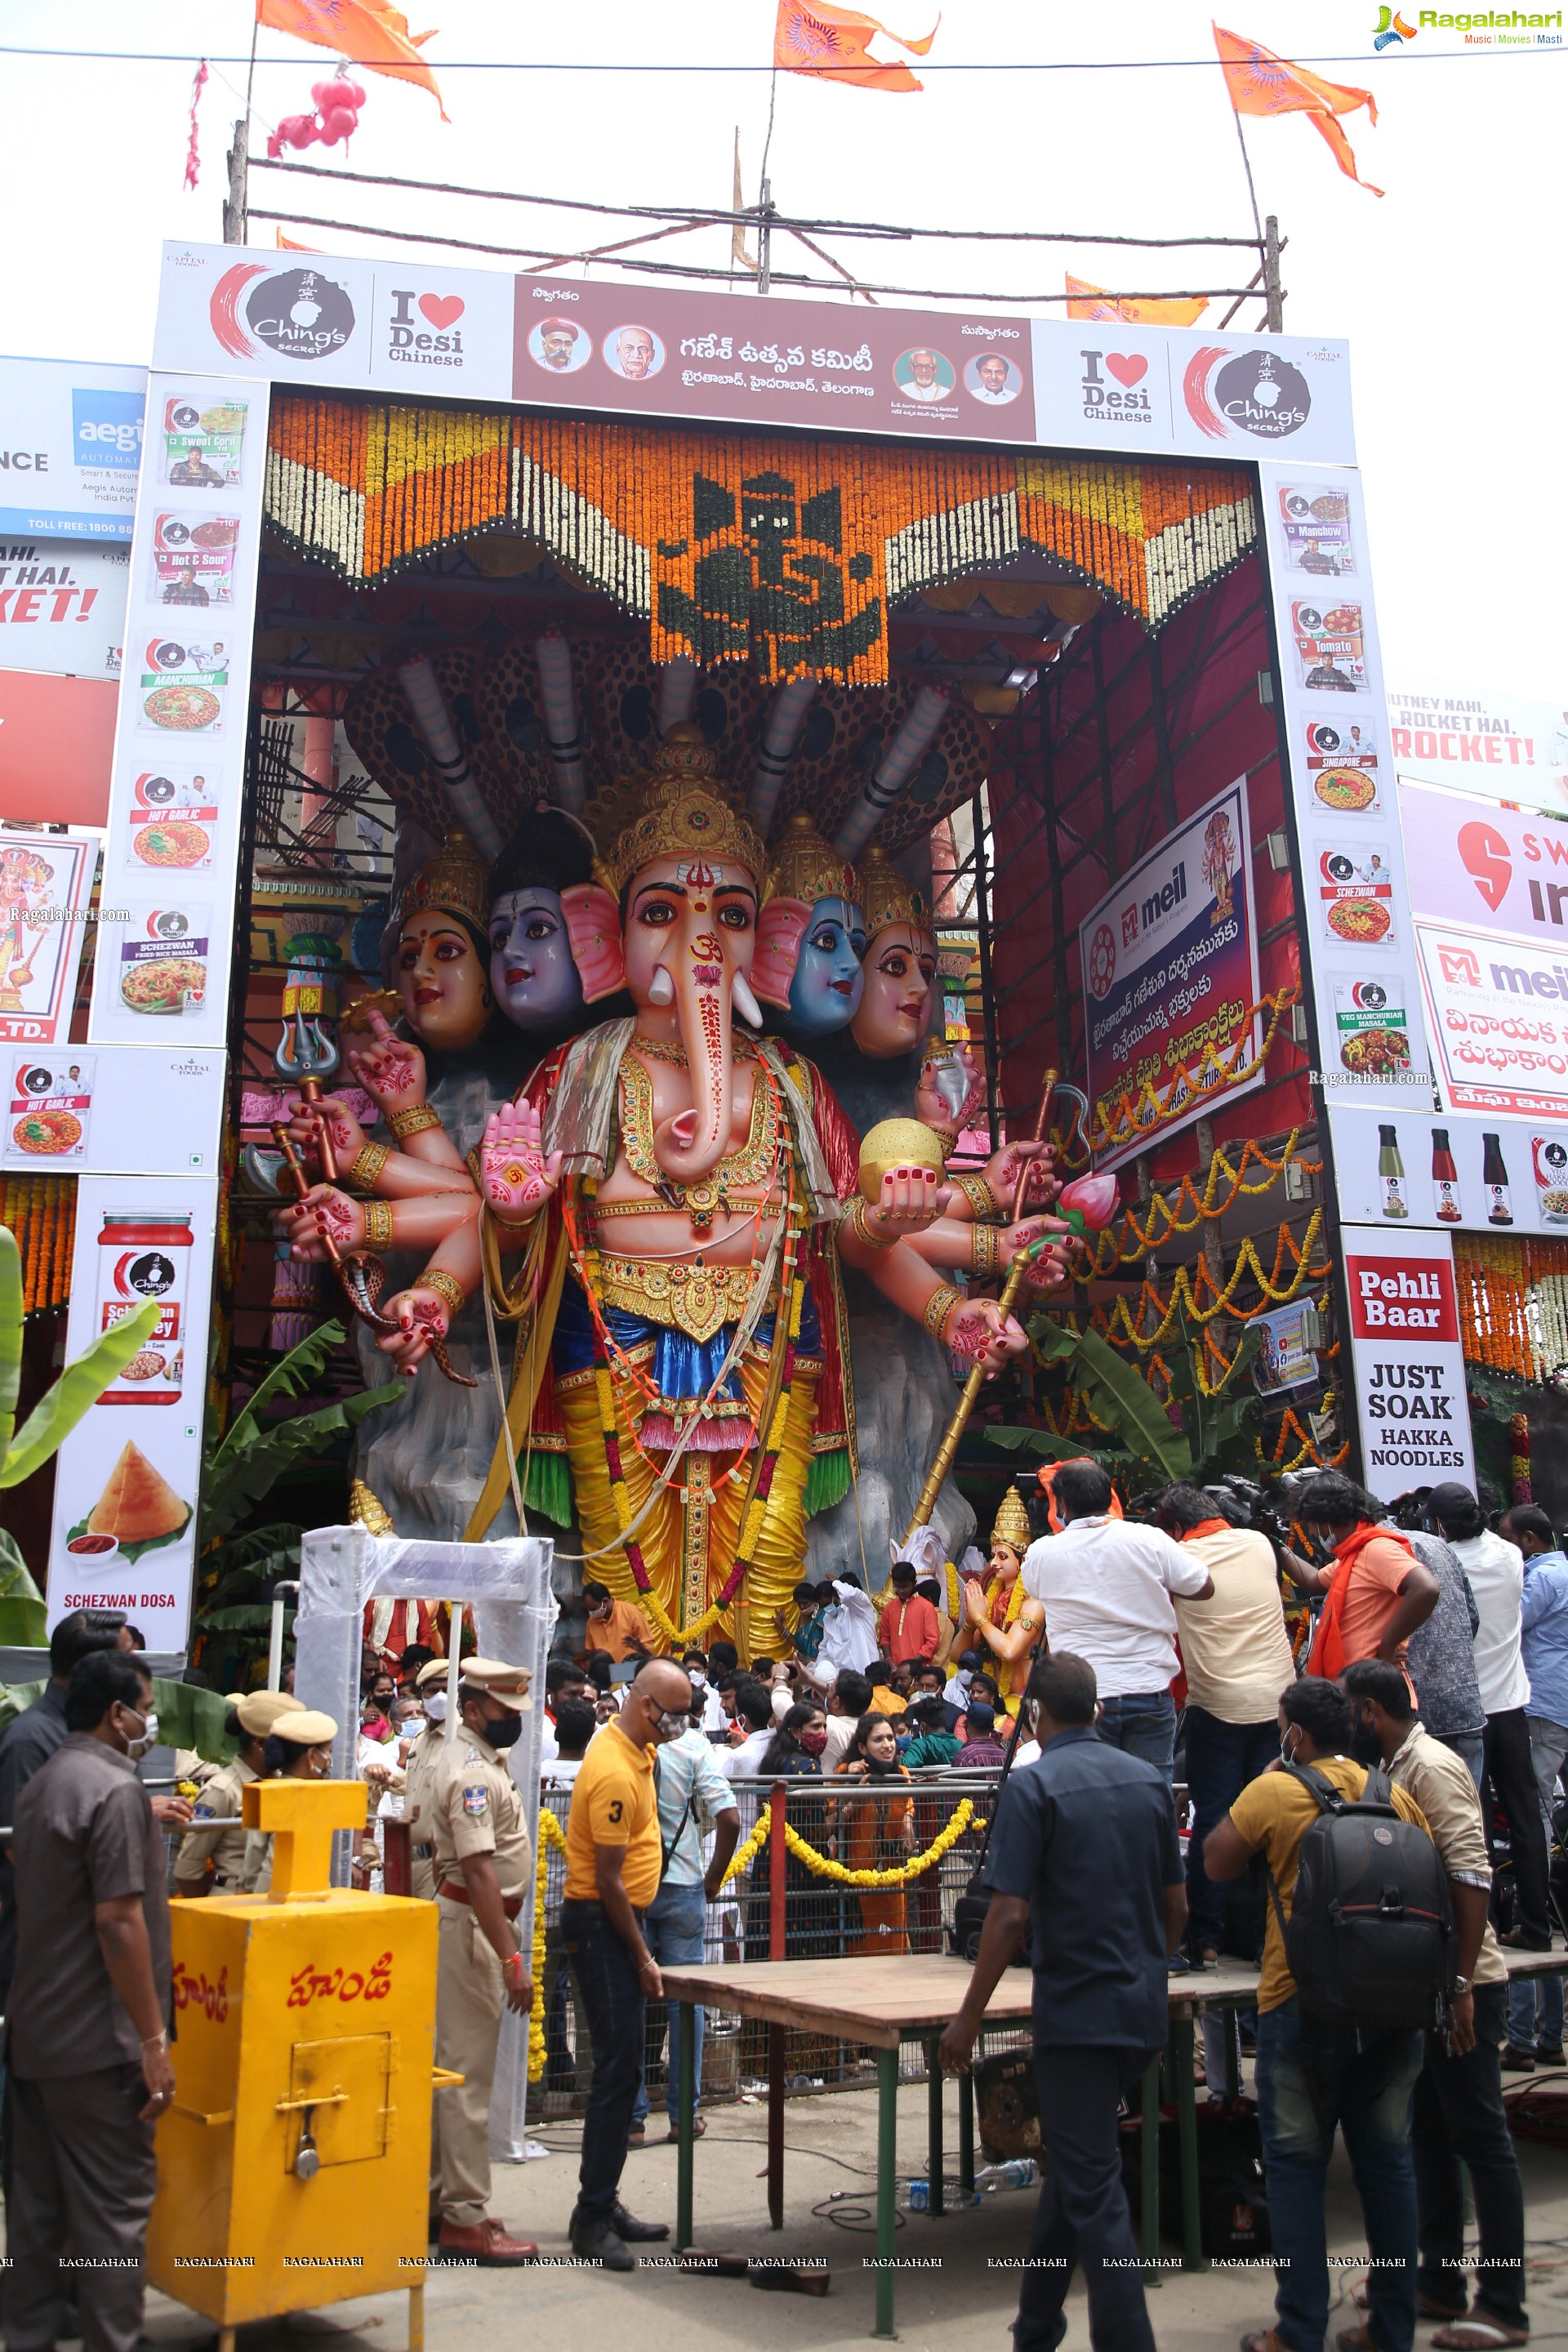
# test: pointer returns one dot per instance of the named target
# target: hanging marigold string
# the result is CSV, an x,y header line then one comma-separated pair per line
x,y
1119,1245
1514,1303
550,1834
1138,1117
41,1212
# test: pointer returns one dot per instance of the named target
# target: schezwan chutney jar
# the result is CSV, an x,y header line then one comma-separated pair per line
x,y
146,1254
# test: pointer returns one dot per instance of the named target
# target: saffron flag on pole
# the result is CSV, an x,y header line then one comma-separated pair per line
x,y
369,33
828,44
1260,83
1087,301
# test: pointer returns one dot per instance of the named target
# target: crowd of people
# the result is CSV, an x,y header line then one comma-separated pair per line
x,y
1096,1667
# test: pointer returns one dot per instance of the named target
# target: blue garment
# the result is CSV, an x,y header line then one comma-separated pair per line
x,y
1222,1758
683,1369
1088,1836
675,1928
1142,1723
1361,2082
1543,1620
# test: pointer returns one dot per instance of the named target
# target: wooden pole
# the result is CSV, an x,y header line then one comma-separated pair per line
x,y
233,202
1273,294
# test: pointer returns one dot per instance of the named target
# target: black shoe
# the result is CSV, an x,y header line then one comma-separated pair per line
x,y
1549,2053
595,2239
1518,1940
635,2232
1517,2061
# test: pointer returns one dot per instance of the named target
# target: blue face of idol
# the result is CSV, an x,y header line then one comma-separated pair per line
x,y
532,972
825,993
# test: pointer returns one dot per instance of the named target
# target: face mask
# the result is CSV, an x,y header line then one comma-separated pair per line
x,y
698,1681
148,1740
1288,1746
670,1727
814,1742
507,1732
876,1764
436,1707
1366,1746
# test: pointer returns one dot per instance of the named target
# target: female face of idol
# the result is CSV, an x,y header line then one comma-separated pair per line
x,y
829,977
535,982
896,1009
444,986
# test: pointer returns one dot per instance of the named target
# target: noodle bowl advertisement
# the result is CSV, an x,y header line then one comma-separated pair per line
x,y
1372,1028
1170,966
47,1115
192,559
125,1490
1355,892
164,958
183,687
173,814
1316,523
1342,764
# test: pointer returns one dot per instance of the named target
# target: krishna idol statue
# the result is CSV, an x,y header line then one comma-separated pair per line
x,y
664,1212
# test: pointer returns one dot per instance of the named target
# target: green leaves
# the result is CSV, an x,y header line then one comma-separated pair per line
x,y
24,1619
78,1388
236,1478
289,1377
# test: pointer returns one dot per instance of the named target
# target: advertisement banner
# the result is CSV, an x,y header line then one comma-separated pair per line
x,y
56,746
1502,743
124,1528
1471,861
173,836
689,352
1359,963
1498,1012
1471,1174
112,1110
1408,1364
1288,1358
1170,975
46,881
70,443
62,606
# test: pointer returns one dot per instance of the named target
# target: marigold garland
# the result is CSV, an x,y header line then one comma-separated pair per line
x,y
550,1834
40,1212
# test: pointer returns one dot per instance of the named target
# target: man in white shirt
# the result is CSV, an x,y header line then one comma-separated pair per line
x,y
1237,1658
848,1701
695,1802
1496,1573
1107,1586
922,382
755,1712
848,1633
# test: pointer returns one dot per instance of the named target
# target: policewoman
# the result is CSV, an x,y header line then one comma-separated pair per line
x,y
483,1861
219,1834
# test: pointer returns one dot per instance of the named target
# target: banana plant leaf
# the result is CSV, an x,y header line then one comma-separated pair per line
x,y
188,1716
78,1388
12,1308
17,1698
24,1619
289,1377
237,1479
1044,1442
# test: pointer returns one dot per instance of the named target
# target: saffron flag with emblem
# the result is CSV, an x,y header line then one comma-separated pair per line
x,y
1260,83
828,44
1087,301
368,33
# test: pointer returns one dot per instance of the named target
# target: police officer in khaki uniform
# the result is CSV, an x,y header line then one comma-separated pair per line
x,y
484,1861
418,1777
219,1834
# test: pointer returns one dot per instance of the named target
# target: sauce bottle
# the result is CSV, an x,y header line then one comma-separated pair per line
x,y
1445,1180
1391,1173
1494,1179
146,1254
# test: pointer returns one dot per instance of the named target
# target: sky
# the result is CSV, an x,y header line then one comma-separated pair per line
x,y
1447,288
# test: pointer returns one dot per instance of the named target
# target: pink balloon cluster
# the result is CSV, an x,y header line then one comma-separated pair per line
x,y
336,119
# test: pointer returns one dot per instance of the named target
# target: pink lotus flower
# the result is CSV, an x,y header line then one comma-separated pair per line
x,y
1090,1202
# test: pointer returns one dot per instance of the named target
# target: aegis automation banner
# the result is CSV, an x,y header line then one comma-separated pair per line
x,y
1169,980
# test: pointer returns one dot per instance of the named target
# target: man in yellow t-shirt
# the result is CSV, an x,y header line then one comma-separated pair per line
x,y
614,1855
1312,2075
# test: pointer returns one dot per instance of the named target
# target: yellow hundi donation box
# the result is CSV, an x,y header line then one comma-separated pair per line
x,y
293,2168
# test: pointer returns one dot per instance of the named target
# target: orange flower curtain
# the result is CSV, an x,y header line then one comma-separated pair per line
x,y
741,547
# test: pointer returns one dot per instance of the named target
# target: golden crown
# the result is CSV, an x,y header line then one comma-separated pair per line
x,y
685,814
367,1510
887,898
806,869
455,879
1011,1526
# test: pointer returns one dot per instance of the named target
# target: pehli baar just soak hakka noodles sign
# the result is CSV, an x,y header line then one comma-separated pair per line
x,y
1169,976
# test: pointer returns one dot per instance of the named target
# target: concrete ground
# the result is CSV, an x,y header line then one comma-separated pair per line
x,y
956,2297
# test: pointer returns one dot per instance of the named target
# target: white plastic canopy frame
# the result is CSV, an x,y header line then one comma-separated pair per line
x,y
507,1587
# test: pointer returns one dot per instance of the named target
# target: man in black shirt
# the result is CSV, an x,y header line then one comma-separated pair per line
x,y
86,2034
1085,1850
31,1738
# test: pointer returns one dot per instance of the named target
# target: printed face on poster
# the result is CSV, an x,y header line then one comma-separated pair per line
x,y
1169,976
126,1481
1407,1360
45,882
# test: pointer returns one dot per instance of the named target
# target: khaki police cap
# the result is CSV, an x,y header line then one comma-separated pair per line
x,y
434,1671
507,1683
305,1727
258,1710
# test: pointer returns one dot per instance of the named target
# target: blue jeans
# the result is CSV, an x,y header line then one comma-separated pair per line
x,y
675,1927
1361,2082
617,2019
1142,1723
1470,1747
1222,1758
1535,2004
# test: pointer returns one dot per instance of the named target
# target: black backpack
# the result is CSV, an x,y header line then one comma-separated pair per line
x,y
1370,1939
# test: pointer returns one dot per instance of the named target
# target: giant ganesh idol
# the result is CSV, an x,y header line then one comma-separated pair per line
x,y
666,1211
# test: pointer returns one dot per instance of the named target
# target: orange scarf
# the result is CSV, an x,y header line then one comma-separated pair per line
x,y
1328,1659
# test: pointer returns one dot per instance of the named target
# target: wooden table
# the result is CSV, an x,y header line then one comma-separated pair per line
x,y
885,2002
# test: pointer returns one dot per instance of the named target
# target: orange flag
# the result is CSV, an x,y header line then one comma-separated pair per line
x,y
368,33
1087,301
1260,83
828,43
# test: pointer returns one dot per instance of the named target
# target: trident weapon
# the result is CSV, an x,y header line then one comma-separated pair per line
x,y
976,1380
306,1058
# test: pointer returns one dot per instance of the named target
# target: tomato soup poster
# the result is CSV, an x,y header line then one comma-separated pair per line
x,y
1170,983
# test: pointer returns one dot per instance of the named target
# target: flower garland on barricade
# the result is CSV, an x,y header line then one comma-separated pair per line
x,y
550,1834
822,1865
